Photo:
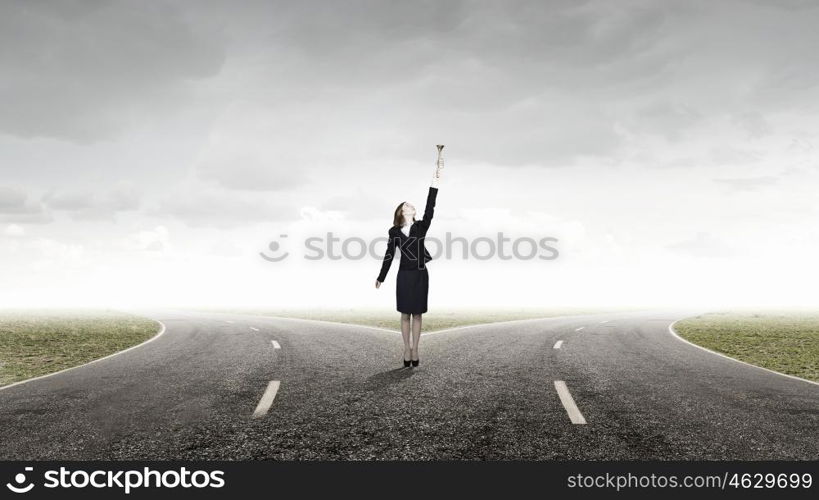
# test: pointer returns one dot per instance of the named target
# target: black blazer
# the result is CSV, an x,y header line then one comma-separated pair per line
x,y
412,246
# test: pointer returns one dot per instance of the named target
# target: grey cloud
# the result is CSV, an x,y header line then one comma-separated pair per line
x,y
93,205
683,162
717,157
667,118
85,71
69,201
508,83
360,206
532,76
748,183
753,122
122,200
787,4
249,172
222,210
16,206
361,39
549,80
729,155
13,200
802,145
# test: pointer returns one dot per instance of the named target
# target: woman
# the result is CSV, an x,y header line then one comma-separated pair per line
x,y
412,283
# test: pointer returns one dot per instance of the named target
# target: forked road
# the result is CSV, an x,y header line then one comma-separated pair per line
x,y
203,390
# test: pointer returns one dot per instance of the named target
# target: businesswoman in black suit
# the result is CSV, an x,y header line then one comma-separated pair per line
x,y
412,282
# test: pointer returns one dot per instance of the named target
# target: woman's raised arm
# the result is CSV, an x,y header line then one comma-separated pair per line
x,y
429,209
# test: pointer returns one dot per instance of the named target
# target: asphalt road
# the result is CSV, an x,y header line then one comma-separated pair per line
x,y
481,392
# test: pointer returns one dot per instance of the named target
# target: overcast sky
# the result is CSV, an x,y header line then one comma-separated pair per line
x,y
150,150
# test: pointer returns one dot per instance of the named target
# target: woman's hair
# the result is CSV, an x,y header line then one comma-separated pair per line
x,y
398,217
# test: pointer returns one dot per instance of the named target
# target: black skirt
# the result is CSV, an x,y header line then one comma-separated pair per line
x,y
411,290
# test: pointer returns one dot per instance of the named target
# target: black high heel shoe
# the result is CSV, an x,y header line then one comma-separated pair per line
x,y
407,362
414,361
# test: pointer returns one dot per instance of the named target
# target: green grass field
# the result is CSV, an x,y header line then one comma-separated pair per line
x,y
431,321
34,343
784,342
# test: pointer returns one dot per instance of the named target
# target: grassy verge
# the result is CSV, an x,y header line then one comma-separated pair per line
x,y
41,342
784,342
431,321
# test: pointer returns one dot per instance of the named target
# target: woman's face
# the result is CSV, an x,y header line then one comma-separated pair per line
x,y
408,210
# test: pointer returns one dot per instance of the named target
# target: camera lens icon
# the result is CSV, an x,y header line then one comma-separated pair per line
x,y
20,478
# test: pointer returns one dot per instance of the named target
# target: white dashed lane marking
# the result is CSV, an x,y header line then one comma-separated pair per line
x,y
267,399
566,398
254,328
578,329
275,344
558,344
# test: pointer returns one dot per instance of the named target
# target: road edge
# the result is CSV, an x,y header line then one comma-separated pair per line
x,y
378,328
542,318
675,334
158,334
423,332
